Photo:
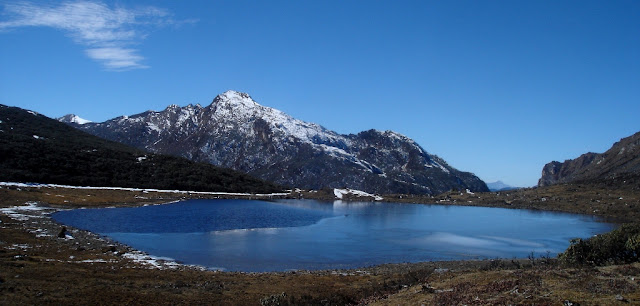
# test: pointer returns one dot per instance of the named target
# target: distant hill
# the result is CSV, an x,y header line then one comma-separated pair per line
x,y
34,148
500,186
236,132
623,159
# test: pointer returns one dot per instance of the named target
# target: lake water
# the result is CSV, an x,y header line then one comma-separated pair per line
x,y
251,235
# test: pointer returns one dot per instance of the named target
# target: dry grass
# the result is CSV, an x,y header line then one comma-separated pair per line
x,y
618,202
75,198
50,270
539,285
47,270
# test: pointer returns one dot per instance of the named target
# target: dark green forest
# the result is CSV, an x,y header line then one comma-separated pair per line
x,y
38,149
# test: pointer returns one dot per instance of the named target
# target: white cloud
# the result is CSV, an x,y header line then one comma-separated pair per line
x,y
116,58
105,31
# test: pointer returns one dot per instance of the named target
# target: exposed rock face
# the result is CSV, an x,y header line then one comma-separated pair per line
x,y
236,132
622,158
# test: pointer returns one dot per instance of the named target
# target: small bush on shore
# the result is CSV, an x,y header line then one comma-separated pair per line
x,y
619,246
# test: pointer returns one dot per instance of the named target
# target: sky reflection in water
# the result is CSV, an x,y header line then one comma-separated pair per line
x,y
242,235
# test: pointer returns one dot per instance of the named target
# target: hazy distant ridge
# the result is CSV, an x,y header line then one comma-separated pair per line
x,y
500,186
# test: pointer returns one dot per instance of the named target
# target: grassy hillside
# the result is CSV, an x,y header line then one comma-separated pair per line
x,y
34,148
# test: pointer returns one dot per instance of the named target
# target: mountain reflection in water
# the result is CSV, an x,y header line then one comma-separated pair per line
x,y
251,235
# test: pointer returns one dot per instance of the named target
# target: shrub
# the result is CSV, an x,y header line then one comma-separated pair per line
x,y
619,246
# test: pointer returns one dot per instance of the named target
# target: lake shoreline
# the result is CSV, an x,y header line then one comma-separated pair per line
x,y
306,234
23,249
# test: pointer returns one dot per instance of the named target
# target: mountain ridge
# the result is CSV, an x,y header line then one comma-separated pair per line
x,y
235,131
38,149
623,158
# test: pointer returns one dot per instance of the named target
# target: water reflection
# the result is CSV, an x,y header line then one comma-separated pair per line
x,y
303,234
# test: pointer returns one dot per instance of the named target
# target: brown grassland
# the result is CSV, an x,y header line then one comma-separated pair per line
x,y
45,269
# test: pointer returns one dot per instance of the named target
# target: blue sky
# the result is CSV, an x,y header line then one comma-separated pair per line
x,y
498,88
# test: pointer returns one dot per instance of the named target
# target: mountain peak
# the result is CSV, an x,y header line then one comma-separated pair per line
x,y
230,93
72,118
234,98
393,134
236,132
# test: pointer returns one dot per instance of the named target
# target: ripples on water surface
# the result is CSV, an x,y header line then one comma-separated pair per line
x,y
250,235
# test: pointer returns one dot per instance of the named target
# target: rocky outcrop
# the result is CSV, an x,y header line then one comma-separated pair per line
x,y
236,132
622,159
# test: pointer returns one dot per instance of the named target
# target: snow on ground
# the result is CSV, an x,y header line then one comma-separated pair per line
x,y
339,193
21,213
38,222
94,260
13,184
39,232
151,261
18,246
35,218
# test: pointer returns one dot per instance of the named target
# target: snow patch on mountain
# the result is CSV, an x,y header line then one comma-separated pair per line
x,y
343,155
242,108
153,127
71,118
433,163
235,131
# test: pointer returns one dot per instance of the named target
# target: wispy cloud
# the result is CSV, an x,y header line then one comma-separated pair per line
x,y
107,32
116,58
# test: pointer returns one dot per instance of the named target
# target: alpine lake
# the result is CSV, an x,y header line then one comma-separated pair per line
x,y
286,235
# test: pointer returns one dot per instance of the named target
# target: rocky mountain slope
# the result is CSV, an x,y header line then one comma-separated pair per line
x,y
622,159
37,149
236,132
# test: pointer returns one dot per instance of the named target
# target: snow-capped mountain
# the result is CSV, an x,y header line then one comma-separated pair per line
x,y
71,118
236,132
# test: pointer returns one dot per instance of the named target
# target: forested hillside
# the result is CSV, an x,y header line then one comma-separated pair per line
x,y
35,148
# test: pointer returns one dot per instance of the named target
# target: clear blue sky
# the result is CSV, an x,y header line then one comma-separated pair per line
x,y
498,88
